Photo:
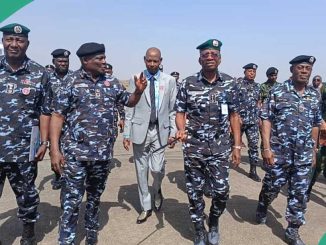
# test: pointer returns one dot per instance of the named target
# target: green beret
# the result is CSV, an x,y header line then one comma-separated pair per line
x,y
303,59
90,49
210,44
15,29
62,53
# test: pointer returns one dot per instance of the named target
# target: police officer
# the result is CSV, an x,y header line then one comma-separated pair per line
x,y
87,107
271,74
290,120
58,80
248,97
176,75
22,88
206,99
119,111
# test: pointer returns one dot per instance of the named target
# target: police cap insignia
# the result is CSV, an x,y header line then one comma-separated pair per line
x,y
63,53
250,66
271,70
210,44
15,29
303,59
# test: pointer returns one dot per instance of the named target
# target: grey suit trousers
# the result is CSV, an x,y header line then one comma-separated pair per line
x,y
145,161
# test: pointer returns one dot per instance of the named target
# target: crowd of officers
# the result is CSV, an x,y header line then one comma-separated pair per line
x,y
78,113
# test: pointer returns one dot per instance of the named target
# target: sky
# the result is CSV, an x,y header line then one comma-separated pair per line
x,y
265,32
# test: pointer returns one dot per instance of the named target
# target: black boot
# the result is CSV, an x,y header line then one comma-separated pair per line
x,y
28,236
201,234
261,213
91,237
292,236
253,174
213,234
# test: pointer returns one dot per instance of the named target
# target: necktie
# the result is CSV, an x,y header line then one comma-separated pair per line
x,y
152,95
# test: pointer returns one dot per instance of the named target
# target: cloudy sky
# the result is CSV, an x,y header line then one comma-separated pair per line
x,y
268,33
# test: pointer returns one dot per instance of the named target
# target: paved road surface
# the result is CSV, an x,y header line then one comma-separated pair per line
x,y
120,207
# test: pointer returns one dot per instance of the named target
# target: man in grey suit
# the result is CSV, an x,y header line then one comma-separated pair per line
x,y
149,125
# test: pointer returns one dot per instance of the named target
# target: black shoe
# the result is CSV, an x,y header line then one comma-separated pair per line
x,y
201,234
143,216
91,237
28,235
213,234
158,201
56,182
261,214
253,174
292,236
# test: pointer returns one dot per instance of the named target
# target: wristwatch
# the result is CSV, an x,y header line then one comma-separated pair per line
x,y
46,143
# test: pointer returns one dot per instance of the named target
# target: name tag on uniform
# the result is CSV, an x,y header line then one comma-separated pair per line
x,y
224,109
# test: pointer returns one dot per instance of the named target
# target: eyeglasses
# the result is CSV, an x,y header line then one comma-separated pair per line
x,y
316,79
212,54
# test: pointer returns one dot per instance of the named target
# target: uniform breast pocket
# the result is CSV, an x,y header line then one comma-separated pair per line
x,y
28,97
284,108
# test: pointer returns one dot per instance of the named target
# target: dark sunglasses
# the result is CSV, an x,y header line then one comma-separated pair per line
x,y
316,79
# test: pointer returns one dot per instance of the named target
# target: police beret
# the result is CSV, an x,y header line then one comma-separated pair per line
x,y
271,70
90,49
210,44
15,29
175,73
109,66
250,66
303,59
60,53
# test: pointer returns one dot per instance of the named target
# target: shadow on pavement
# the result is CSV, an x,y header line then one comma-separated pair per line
x,y
180,220
115,163
12,227
44,181
178,177
103,217
243,210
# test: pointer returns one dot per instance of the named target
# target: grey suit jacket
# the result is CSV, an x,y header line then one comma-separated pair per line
x,y
137,118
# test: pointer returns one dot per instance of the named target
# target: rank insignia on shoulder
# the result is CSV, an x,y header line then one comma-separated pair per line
x,y
11,88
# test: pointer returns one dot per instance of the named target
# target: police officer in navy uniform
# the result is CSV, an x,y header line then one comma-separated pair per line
x,y
22,88
57,81
207,100
248,97
290,122
86,105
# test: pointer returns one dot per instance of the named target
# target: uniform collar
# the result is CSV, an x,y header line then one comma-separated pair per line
x,y
24,67
201,78
290,87
85,75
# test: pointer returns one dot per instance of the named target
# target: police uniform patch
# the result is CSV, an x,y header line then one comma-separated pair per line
x,y
26,91
11,88
18,29
26,82
301,108
97,93
107,83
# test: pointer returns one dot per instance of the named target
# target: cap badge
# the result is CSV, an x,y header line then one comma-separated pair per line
x,y
18,29
215,43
